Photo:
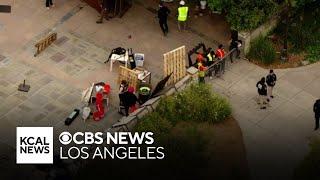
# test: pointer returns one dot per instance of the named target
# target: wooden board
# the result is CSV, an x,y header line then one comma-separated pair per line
x,y
44,43
129,75
5,9
175,62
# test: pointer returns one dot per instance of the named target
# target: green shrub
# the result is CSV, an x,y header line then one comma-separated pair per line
x,y
244,14
313,53
155,123
262,49
309,167
196,103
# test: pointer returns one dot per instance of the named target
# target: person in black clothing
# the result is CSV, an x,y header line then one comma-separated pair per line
x,y
235,43
104,12
163,13
271,82
129,100
262,91
49,4
122,89
316,110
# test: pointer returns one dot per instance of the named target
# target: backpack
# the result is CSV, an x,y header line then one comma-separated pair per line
x,y
119,51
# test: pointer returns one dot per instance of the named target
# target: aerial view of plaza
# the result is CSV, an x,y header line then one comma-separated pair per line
x,y
160,89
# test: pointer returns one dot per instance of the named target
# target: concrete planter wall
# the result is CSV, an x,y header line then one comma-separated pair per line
x,y
264,29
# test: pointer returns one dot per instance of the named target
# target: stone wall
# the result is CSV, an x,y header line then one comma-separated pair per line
x,y
264,29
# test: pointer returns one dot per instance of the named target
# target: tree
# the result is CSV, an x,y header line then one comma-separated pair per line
x,y
244,14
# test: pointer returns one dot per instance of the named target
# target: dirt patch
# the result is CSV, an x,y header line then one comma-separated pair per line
x,y
230,150
294,60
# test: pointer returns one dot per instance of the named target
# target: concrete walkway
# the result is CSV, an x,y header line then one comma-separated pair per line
x,y
276,139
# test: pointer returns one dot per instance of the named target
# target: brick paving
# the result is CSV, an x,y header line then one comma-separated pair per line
x,y
75,60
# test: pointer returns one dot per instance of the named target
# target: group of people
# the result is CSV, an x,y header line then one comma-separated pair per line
x,y
204,61
164,11
265,88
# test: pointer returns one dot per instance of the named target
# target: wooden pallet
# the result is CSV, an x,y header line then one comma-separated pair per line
x,y
175,62
44,43
129,75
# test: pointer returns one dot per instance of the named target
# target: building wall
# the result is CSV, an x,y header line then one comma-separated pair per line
x,y
264,29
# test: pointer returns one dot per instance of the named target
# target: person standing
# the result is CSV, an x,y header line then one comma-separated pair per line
x,y
210,57
262,91
163,13
220,53
122,89
49,4
316,110
104,12
235,48
129,100
182,15
271,82
201,73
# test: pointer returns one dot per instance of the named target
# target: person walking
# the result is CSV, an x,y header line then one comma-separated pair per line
x,y
163,13
262,91
49,4
271,82
182,15
104,12
316,110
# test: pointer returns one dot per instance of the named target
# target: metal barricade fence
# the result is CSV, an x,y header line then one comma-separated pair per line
x,y
220,65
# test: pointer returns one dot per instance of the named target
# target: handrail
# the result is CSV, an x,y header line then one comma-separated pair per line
x,y
217,61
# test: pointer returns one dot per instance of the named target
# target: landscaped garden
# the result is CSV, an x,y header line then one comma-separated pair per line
x,y
302,33
295,41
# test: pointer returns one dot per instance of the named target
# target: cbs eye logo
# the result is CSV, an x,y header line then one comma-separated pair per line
x,y
65,138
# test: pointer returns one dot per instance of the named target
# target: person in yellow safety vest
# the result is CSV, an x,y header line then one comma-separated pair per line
x,y
211,58
201,73
182,15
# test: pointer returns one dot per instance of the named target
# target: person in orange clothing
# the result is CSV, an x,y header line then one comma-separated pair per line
x,y
99,114
220,53
200,60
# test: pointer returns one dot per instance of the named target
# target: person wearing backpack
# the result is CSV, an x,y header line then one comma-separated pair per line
x,y
316,110
262,91
271,82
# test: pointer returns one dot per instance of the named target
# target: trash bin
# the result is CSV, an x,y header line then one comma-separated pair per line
x,y
144,93
139,59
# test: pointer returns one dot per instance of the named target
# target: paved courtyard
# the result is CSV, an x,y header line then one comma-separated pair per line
x,y
275,139
59,74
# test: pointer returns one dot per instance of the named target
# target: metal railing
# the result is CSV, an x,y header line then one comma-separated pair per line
x,y
219,65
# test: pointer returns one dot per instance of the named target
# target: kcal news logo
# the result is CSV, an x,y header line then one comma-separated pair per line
x,y
34,145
